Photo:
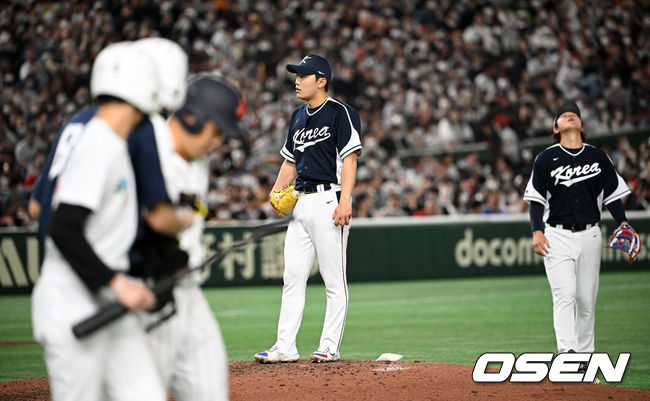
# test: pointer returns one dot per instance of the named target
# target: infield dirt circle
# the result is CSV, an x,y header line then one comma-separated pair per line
x,y
368,380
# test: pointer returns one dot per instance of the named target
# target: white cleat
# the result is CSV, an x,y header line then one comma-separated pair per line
x,y
274,356
324,356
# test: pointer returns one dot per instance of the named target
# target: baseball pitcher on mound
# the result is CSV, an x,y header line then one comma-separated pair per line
x,y
570,182
321,156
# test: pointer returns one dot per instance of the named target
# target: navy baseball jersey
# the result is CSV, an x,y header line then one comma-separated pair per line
x,y
144,158
573,184
149,179
319,139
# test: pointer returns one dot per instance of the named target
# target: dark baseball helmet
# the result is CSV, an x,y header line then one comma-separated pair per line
x,y
212,99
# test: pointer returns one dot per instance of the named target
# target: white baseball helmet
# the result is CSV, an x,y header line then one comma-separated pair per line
x,y
123,71
172,66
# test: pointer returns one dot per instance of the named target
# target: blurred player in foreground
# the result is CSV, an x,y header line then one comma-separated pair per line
x,y
186,340
86,251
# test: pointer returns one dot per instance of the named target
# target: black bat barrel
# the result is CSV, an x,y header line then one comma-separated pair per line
x,y
106,315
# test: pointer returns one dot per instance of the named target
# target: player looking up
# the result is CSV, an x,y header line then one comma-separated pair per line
x,y
570,182
320,154
86,251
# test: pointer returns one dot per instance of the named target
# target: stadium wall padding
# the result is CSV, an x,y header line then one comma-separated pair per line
x,y
378,250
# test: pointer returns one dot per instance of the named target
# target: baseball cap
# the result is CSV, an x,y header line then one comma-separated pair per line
x,y
312,64
569,106
212,99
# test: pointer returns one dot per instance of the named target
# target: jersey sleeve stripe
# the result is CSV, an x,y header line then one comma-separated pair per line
x,y
531,193
621,190
351,150
534,197
616,195
347,113
354,144
285,153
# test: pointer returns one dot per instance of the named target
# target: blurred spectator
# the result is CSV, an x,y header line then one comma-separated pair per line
x,y
362,206
424,76
493,203
28,147
392,207
410,203
430,207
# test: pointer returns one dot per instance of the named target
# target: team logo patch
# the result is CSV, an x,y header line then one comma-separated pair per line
x,y
567,175
121,185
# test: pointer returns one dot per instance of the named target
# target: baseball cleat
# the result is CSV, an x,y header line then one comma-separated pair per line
x,y
274,356
324,356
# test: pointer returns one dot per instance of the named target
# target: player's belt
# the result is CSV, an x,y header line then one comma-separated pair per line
x,y
573,227
316,188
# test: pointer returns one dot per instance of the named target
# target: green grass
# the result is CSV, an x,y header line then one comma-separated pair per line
x,y
450,321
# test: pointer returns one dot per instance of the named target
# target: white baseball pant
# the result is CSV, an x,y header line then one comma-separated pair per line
x,y
113,363
572,267
312,234
188,348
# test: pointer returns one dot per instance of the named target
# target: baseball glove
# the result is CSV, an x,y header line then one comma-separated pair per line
x,y
284,200
627,240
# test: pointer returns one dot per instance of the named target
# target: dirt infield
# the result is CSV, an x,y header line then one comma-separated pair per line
x,y
367,380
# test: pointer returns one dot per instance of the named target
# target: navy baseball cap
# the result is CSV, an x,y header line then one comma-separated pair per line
x,y
312,64
569,106
211,99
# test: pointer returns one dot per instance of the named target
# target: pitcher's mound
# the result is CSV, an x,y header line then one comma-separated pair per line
x,y
368,380
379,381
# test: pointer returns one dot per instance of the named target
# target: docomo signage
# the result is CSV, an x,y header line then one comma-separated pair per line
x,y
500,249
532,367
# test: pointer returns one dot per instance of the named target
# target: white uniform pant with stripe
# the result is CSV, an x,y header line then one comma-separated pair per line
x,y
114,363
573,267
312,234
189,350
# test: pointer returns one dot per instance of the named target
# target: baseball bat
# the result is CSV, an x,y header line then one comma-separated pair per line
x,y
114,310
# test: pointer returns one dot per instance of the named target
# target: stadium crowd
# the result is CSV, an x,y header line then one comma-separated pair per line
x,y
424,75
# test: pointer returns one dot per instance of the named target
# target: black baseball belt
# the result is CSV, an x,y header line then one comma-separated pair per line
x,y
316,188
573,227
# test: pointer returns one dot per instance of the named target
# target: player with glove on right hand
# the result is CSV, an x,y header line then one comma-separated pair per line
x,y
570,182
